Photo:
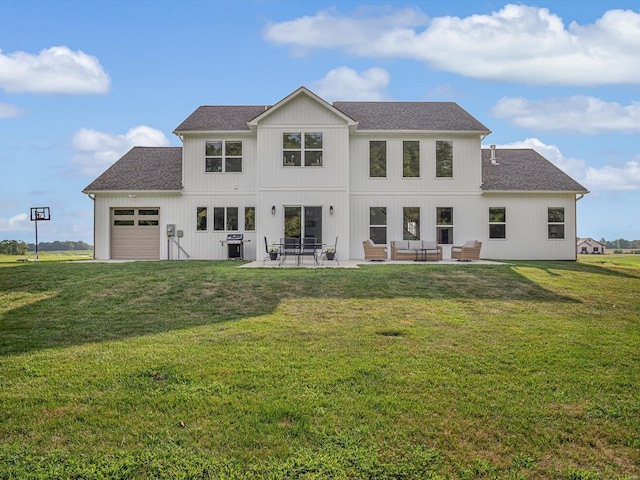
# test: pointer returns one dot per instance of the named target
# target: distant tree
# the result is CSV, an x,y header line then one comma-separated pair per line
x,y
60,246
13,247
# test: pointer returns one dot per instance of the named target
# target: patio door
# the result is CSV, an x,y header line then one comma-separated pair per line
x,y
300,222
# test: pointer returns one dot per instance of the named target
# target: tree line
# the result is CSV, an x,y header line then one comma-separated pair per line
x,y
620,243
18,247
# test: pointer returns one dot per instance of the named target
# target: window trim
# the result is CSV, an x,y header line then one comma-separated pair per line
x,y
504,223
405,230
551,224
442,177
224,156
419,159
442,226
376,225
385,158
303,150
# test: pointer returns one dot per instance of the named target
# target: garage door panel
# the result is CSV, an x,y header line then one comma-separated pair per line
x,y
135,234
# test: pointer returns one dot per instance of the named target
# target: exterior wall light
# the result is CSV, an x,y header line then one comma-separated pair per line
x,y
331,210
273,210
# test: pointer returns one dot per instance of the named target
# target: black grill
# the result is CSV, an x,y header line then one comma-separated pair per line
x,y
235,246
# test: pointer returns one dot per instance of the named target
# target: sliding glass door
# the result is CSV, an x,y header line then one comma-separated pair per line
x,y
300,222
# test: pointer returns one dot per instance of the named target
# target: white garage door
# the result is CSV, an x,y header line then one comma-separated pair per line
x,y
135,233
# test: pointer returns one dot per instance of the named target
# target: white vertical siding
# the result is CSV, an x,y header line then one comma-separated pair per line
x,y
526,224
467,176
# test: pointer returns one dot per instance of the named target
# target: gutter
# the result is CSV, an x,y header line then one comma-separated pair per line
x,y
92,196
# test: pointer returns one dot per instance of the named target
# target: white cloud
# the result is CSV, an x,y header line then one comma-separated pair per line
x,y
517,43
344,83
19,222
624,176
99,150
575,114
9,111
52,70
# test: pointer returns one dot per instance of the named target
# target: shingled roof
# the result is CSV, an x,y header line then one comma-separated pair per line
x,y
524,170
220,117
143,168
438,116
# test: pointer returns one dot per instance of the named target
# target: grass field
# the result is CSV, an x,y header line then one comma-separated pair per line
x,y
67,255
202,370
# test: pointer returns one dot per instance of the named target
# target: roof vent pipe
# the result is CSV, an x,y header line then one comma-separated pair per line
x,y
493,155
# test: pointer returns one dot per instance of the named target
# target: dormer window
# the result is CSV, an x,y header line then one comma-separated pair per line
x,y
223,156
302,149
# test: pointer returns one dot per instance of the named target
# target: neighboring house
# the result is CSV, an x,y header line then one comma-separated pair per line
x,y
353,170
589,245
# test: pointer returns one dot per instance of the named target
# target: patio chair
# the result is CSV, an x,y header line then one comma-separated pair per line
x,y
467,252
268,252
309,248
373,251
289,246
331,253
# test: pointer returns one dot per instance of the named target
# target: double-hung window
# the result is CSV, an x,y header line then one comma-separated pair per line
x,y
223,156
555,222
444,225
378,225
302,149
444,159
497,222
377,158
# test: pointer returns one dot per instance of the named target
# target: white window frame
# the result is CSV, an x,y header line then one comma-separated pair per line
x,y
303,150
224,156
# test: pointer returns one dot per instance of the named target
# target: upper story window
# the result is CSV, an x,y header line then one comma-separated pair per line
x,y
410,158
377,158
302,149
555,220
444,159
223,156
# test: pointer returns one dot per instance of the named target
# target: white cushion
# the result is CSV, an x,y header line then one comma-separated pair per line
x,y
470,244
415,244
402,244
429,244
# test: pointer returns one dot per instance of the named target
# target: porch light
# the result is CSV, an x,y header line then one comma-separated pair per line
x,y
273,210
331,210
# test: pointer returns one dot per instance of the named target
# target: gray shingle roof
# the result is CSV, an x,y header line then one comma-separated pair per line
x,y
439,116
221,117
143,168
524,170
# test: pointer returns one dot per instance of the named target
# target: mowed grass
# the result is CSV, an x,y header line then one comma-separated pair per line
x,y
203,370
55,256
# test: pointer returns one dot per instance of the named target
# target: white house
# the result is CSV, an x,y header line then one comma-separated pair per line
x,y
589,245
353,170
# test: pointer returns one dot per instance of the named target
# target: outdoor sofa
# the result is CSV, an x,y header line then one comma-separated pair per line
x,y
415,250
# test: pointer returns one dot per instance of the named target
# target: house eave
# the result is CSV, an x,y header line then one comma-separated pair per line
x,y
536,192
212,132
421,132
132,192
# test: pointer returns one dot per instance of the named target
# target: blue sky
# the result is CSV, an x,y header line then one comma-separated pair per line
x,y
81,82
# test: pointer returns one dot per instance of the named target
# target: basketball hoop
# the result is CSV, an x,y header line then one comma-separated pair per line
x,y
39,214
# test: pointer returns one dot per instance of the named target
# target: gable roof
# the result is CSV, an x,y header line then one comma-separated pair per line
x,y
143,168
302,91
589,241
436,116
524,170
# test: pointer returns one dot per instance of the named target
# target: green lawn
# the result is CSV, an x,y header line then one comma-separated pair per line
x,y
202,370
